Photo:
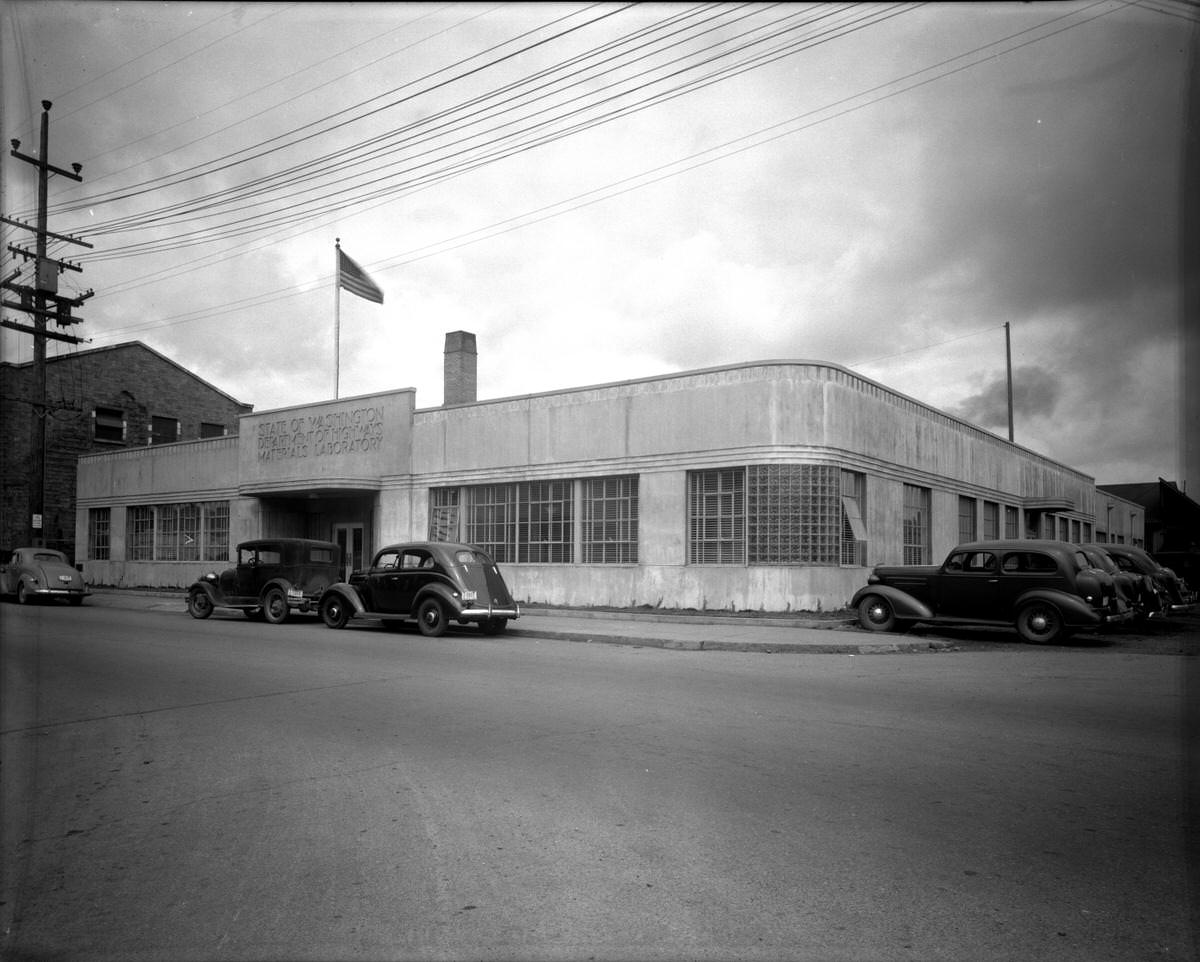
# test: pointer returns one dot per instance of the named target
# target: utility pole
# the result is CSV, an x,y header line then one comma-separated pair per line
x,y
36,301
1008,365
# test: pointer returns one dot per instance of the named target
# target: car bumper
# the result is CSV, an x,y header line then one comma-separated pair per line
x,y
484,613
44,592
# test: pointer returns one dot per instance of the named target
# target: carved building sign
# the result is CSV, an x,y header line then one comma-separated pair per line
x,y
330,434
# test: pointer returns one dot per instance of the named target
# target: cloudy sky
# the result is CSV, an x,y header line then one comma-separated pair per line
x,y
602,192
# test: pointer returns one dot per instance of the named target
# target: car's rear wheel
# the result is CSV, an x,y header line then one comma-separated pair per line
x,y
493,626
875,613
335,612
431,618
275,606
1040,623
199,605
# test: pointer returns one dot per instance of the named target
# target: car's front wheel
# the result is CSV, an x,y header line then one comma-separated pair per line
x,y
431,618
1039,623
335,612
275,606
875,613
22,594
199,605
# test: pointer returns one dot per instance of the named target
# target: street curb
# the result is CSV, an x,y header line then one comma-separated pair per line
x,y
770,648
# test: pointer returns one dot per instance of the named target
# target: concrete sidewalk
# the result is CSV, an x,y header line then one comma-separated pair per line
x,y
684,631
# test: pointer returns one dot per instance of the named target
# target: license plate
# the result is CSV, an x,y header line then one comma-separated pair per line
x,y
470,595
65,579
295,594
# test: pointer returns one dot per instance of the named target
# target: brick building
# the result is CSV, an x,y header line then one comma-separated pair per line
x,y
124,396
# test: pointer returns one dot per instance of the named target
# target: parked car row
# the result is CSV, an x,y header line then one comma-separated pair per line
x,y
431,583
1044,589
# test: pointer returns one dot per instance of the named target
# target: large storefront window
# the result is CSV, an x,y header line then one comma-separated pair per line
x,y
966,519
534,522
854,528
610,520
178,532
916,524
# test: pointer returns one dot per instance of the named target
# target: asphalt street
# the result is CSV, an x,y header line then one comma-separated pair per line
x,y
226,789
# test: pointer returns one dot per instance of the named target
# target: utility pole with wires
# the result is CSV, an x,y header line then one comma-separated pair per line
x,y
42,302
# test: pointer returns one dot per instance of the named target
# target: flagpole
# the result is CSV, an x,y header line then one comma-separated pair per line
x,y
337,313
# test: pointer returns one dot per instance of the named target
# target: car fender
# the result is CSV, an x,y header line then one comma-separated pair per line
x,y
207,587
443,592
276,583
1074,609
903,604
348,593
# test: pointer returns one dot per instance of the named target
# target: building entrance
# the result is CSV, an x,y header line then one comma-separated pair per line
x,y
349,538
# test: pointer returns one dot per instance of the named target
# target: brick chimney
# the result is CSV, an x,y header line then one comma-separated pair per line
x,y
460,363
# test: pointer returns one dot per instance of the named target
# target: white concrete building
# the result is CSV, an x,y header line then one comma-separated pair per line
x,y
771,486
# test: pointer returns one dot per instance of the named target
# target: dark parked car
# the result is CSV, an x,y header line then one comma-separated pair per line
x,y
1045,589
273,577
1138,591
36,574
431,582
1175,595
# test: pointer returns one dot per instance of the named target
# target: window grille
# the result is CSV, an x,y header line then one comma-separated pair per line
x,y
610,520
141,533
189,532
215,526
443,514
991,521
546,526
167,533
492,520
966,519
717,516
99,533
916,524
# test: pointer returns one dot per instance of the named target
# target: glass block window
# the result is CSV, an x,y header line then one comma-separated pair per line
x,y
1012,522
854,529
610,520
717,516
966,519
140,535
108,424
794,514
546,527
991,521
99,533
916,524
163,430
492,520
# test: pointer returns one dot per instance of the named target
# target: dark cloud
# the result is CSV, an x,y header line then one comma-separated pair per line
x,y
1036,393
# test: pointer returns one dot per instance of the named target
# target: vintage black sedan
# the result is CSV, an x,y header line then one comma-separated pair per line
x,y
273,577
431,582
1045,589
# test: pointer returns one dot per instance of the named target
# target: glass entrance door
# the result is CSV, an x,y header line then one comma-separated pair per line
x,y
349,538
